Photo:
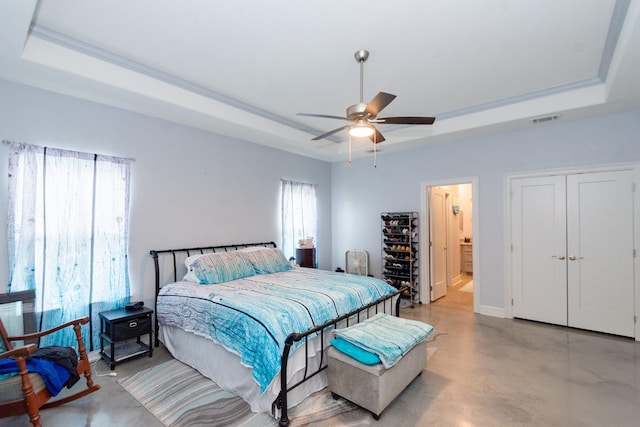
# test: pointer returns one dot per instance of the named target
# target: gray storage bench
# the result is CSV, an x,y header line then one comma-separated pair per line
x,y
372,386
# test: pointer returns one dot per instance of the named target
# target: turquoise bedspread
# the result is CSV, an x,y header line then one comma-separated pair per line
x,y
387,336
253,316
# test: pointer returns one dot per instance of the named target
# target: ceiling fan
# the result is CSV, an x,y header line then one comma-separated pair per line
x,y
364,117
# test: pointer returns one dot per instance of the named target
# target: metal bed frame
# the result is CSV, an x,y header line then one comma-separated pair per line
x,y
280,403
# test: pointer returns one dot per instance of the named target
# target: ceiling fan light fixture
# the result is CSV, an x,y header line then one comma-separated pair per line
x,y
361,130
362,115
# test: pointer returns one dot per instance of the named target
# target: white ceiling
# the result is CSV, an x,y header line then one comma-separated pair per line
x,y
245,68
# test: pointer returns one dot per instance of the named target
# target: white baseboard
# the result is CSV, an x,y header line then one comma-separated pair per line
x,y
489,310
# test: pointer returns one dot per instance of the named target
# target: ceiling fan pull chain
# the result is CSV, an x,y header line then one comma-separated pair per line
x,y
375,151
349,148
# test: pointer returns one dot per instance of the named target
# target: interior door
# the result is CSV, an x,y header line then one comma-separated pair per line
x,y
437,243
600,252
539,274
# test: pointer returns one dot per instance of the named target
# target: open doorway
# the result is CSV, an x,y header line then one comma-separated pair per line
x,y
449,240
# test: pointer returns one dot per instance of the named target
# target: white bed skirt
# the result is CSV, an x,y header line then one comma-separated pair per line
x,y
222,366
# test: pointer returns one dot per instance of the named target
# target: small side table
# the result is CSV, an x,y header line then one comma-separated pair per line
x,y
119,326
306,257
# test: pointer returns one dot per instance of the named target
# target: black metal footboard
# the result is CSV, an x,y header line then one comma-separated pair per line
x,y
379,306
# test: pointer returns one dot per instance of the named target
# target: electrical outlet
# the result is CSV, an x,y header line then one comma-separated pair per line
x,y
94,356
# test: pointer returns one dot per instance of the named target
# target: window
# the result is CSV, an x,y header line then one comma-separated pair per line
x,y
299,218
68,230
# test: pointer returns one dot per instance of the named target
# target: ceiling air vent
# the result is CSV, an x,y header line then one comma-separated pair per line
x,y
545,119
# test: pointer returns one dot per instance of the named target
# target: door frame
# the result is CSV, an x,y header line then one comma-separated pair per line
x,y
425,272
508,273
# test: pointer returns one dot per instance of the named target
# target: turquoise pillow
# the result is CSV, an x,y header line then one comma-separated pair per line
x,y
266,260
212,268
363,356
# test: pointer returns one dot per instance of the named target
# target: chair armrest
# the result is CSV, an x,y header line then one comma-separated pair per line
x,y
35,335
22,351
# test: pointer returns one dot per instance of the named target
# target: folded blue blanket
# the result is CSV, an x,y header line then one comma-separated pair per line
x,y
387,336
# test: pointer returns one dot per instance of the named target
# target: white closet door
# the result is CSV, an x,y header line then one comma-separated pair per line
x,y
539,249
600,252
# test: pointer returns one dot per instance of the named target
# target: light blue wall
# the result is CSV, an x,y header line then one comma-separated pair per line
x,y
189,187
360,192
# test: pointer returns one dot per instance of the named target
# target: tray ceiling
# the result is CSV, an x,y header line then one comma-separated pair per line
x,y
245,68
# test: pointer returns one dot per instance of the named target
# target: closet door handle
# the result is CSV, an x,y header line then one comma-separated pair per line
x,y
560,257
573,258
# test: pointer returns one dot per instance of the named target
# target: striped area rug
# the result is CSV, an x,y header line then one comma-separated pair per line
x,y
179,396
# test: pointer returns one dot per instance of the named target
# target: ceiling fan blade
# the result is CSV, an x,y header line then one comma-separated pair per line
x,y
326,116
406,120
381,100
377,137
331,132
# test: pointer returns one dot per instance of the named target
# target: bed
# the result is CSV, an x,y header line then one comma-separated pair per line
x,y
242,315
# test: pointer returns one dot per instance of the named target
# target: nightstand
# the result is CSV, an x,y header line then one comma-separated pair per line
x,y
306,257
118,328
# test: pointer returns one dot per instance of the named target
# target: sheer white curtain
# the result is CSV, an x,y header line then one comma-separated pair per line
x,y
299,217
68,231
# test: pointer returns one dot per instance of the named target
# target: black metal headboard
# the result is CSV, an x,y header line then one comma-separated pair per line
x,y
178,257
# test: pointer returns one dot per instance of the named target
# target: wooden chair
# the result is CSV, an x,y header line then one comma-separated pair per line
x,y
26,393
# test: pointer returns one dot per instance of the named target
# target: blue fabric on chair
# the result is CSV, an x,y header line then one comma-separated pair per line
x,y
55,376
65,357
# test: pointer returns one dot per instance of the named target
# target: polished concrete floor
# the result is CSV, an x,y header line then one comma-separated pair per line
x,y
489,372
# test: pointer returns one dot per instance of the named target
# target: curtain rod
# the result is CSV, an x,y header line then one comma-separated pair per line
x,y
130,159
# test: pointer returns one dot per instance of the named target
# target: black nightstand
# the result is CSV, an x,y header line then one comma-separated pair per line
x,y
118,328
